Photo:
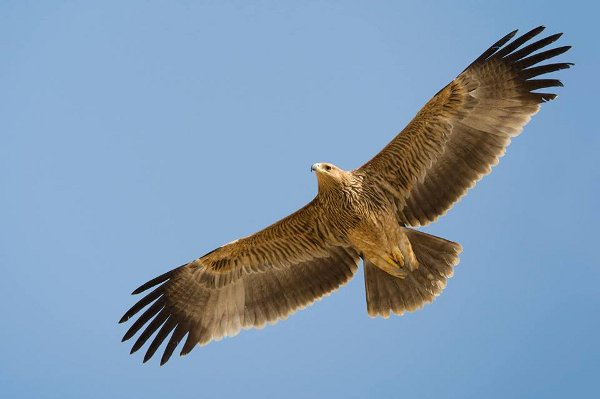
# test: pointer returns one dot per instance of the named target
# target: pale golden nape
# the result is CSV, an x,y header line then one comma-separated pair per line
x,y
452,142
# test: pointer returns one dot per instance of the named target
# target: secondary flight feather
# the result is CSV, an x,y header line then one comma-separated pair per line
x,y
452,142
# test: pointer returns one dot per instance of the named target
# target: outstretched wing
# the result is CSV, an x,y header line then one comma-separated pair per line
x,y
458,136
250,282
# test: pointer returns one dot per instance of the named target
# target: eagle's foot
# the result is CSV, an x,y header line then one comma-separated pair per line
x,y
398,257
391,266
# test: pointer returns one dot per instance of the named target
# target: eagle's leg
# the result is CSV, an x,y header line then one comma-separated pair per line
x,y
406,250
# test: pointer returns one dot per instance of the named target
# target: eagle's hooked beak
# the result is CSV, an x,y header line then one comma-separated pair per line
x,y
314,167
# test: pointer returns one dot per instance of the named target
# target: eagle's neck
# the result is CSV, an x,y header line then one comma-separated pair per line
x,y
347,188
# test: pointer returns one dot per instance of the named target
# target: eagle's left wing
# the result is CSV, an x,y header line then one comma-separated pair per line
x,y
464,129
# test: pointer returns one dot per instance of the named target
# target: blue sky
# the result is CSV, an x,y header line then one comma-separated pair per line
x,y
138,135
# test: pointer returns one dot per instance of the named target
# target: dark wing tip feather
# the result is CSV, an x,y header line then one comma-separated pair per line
x,y
519,41
158,321
142,303
534,84
190,342
164,331
157,280
543,69
176,337
494,47
539,57
545,97
525,51
143,319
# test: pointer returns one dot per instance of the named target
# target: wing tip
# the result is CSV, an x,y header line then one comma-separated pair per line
x,y
157,280
164,359
537,30
126,337
134,349
547,97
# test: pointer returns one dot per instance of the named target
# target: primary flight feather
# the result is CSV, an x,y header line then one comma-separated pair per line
x,y
450,144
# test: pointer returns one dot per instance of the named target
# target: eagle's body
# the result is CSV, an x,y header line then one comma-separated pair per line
x,y
366,213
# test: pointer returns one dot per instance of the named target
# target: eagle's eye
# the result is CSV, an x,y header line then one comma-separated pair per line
x,y
327,168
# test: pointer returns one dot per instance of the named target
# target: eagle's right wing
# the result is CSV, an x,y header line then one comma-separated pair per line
x,y
255,280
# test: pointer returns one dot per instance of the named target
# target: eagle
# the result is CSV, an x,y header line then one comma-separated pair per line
x,y
368,213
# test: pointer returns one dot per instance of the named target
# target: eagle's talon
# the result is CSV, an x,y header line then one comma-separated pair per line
x,y
398,256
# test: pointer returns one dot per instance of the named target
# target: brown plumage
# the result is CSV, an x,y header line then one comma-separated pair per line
x,y
451,143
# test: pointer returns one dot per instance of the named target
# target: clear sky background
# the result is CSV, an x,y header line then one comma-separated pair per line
x,y
138,135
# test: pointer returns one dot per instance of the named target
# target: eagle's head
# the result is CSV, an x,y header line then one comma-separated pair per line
x,y
329,175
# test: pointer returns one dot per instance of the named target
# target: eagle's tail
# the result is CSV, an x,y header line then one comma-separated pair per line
x,y
436,259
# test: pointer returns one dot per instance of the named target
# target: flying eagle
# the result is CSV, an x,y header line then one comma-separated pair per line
x,y
452,142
